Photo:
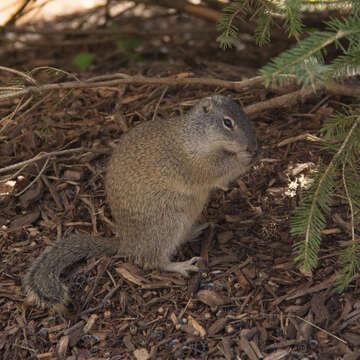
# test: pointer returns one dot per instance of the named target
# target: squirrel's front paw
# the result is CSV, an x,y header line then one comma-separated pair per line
x,y
183,267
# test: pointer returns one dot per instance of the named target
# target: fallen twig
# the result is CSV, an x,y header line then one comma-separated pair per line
x,y
170,81
115,80
20,73
301,137
283,100
41,156
33,181
319,328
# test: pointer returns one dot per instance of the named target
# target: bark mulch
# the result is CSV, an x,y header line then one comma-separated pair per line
x,y
248,302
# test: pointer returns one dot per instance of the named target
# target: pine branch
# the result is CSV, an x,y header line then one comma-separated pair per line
x,y
260,10
307,58
262,30
307,49
309,219
350,255
293,18
345,65
355,8
225,24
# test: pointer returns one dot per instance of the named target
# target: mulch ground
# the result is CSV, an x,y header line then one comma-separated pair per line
x,y
248,302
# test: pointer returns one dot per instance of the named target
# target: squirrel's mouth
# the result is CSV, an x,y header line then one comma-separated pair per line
x,y
247,159
255,158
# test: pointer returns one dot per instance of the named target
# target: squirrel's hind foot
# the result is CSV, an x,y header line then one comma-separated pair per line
x,y
183,267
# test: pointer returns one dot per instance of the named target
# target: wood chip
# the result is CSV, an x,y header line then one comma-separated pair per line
x,y
212,298
196,326
24,220
31,195
128,343
217,326
248,349
278,355
242,280
226,348
224,237
62,346
90,323
134,278
74,175
141,354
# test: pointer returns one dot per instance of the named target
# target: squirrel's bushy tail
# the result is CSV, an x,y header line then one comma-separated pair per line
x,y
42,281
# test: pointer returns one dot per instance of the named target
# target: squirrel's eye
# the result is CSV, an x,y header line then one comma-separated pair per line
x,y
228,123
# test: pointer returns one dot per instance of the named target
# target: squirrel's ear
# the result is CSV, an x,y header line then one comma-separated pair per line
x,y
207,105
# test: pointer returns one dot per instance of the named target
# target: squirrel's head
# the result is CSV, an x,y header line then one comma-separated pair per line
x,y
217,123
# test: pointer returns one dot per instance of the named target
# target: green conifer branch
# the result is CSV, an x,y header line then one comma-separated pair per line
x,y
355,8
306,49
345,65
350,255
293,18
225,24
262,30
309,219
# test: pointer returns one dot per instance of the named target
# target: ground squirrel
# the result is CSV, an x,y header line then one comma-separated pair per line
x,y
157,184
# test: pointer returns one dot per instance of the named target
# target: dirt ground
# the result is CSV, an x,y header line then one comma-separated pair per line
x,y
249,301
